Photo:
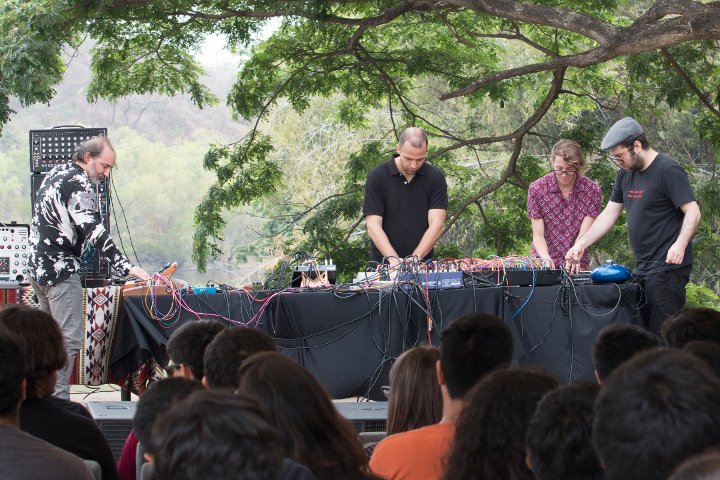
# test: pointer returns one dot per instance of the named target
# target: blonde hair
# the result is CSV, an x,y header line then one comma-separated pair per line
x,y
569,151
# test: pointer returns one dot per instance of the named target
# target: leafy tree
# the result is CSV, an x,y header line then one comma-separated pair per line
x,y
486,79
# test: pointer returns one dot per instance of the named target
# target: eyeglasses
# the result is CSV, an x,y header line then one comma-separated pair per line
x,y
568,173
618,158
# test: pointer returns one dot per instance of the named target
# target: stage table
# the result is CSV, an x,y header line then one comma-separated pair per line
x,y
348,340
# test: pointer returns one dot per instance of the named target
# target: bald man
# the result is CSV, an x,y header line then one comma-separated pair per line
x,y
405,203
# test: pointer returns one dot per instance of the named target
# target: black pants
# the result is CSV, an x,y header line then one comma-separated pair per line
x,y
665,293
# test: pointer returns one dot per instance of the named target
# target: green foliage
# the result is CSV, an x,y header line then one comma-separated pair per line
x,y
701,296
331,88
243,173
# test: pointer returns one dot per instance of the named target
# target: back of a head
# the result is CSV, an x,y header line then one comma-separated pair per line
x,y
653,412
12,374
471,347
188,343
709,352
491,430
559,435
158,398
698,323
228,350
216,435
704,466
618,343
43,343
415,400
313,432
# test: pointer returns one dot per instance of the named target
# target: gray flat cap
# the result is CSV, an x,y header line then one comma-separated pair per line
x,y
623,130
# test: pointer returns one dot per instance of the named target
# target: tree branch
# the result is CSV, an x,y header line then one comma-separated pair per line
x,y
702,96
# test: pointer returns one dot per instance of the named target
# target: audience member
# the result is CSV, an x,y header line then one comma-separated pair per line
x,y
559,435
704,466
414,400
490,436
313,432
41,414
699,323
470,348
157,399
186,348
22,456
655,411
228,350
707,351
220,436
618,343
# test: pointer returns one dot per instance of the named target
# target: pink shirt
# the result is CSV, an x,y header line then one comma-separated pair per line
x,y
563,217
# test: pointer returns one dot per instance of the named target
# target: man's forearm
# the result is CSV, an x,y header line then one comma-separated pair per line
x,y
689,225
602,224
381,241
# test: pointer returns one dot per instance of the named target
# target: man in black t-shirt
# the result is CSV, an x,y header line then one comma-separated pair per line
x,y
662,216
405,202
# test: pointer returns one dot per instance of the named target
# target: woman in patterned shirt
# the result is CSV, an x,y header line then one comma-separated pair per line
x,y
562,205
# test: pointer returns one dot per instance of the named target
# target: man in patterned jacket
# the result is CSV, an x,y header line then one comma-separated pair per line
x,y
66,216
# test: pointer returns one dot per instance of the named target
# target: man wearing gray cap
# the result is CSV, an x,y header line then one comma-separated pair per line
x,y
662,216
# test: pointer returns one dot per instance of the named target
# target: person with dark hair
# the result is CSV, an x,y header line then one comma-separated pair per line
x,y
709,352
697,323
653,412
186,347
562,205
221,436
22,456
313,433
618,343
41,414
704,466
405,202
489,440
470,348
66,221
662,217
414,399
559,435
227,351
186,350
158,398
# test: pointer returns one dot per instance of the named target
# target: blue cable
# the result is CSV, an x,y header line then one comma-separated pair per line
x,y
528,297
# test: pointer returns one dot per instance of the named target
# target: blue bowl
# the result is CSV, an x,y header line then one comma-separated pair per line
x,y
610,273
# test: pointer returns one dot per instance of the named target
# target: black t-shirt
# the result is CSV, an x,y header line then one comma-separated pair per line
x,y
404,206
652,199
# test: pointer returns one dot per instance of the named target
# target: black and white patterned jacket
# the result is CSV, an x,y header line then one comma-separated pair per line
x,y
65,219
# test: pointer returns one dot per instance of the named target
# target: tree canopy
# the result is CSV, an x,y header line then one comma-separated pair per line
x,y
487,79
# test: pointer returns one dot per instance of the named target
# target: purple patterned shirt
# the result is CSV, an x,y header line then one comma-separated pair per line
x,y
563,217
